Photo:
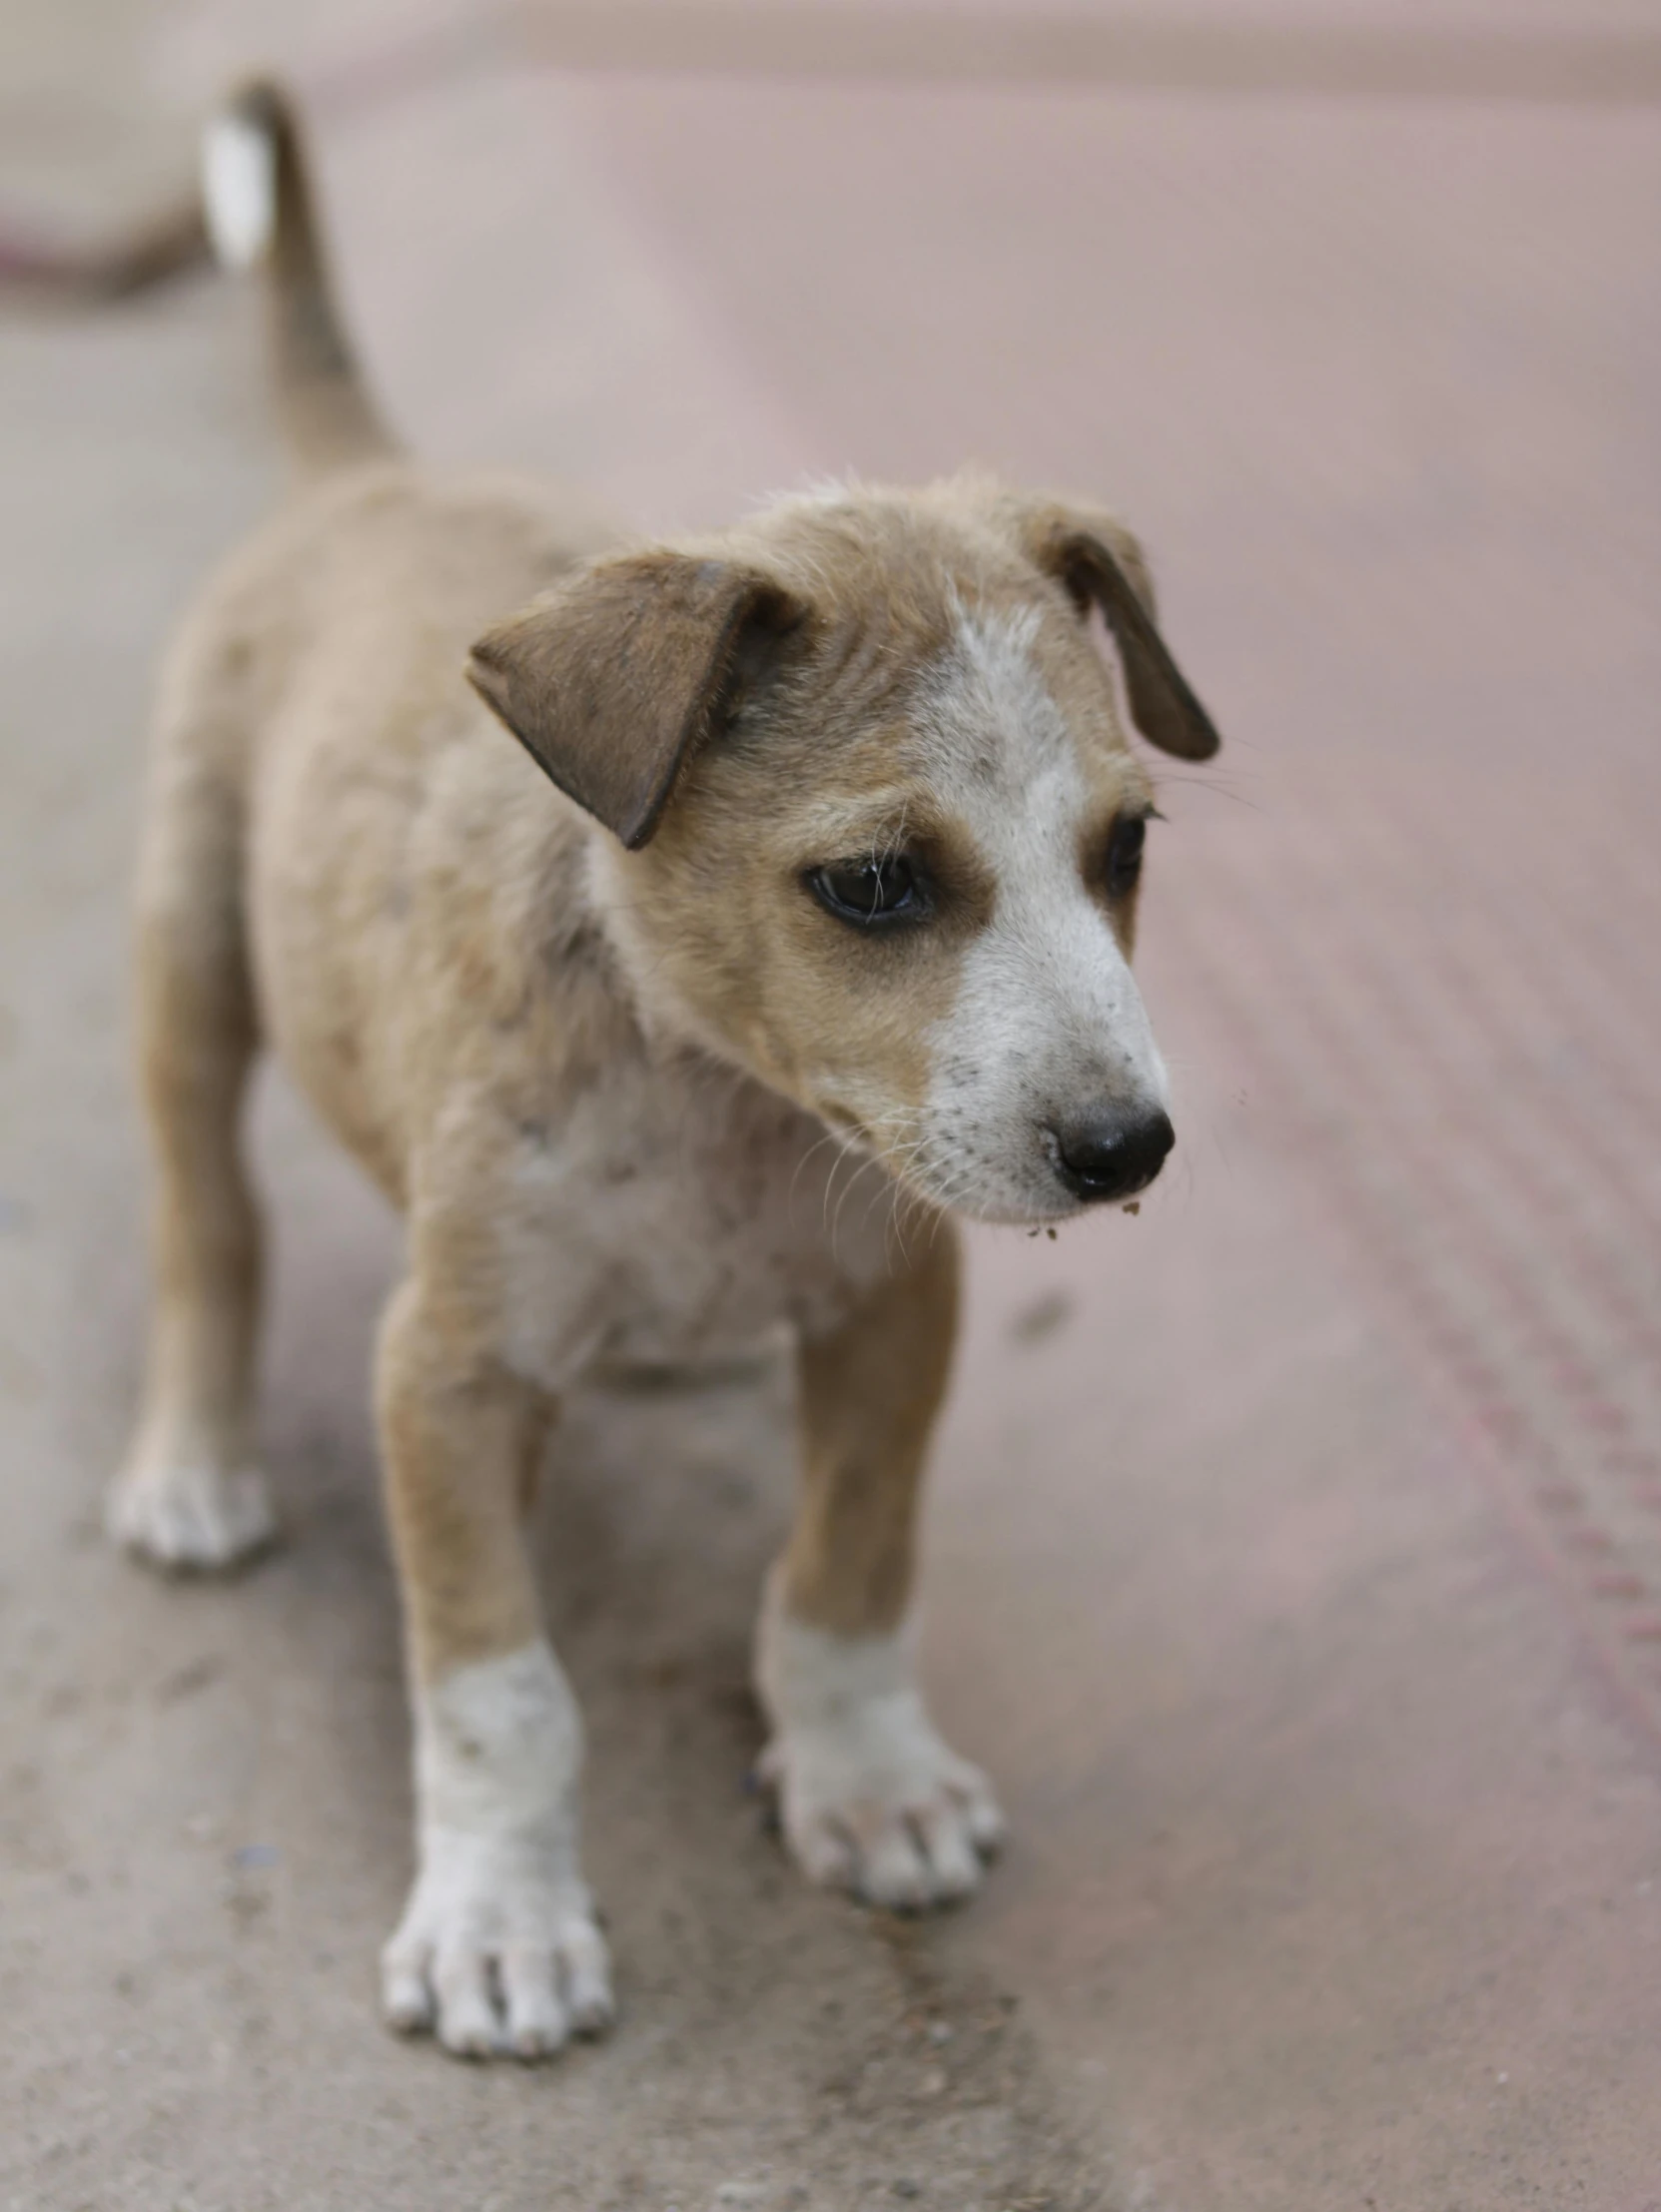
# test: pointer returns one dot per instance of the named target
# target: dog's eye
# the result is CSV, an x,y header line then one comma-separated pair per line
x,y
1122,864
869,892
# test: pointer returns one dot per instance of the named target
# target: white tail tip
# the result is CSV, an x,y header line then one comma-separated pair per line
x,y
238,190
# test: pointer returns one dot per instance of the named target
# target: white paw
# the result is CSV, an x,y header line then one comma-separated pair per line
x,y
189,1514
499,1949
875,1802
871,1799
496,1954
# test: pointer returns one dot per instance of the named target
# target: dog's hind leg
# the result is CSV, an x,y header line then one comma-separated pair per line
x,y
189,1495
873,1800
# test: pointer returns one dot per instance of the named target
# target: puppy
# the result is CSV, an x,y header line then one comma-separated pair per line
x,y
820,846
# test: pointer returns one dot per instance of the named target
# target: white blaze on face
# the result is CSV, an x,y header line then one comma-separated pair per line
x,y
1048,1023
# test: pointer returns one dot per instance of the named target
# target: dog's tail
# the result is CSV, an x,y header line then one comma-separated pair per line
x,y
260,213
172,243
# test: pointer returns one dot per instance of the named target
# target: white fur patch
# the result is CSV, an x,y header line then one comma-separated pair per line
x,y
499,1949
1048,1021
873,1800
177,1505
679,1216
238,190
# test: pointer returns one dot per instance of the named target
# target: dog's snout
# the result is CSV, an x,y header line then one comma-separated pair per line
x,y
1109,1153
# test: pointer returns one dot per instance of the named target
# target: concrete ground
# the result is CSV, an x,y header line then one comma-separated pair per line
x,y
1295,1551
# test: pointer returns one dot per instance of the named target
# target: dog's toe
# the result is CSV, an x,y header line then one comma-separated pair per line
x,y
893,1871
825,1853
586,1968
945,1838
406,1998
534,2016
468,2023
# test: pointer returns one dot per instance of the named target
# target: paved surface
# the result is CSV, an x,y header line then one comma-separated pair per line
x,y
1296,1559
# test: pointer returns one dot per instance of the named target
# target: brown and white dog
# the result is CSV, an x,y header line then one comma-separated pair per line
x,y
833,853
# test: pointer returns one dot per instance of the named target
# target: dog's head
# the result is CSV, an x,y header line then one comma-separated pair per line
x,y
877,827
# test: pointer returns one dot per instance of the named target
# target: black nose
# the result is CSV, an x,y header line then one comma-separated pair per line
x,y
1111,1154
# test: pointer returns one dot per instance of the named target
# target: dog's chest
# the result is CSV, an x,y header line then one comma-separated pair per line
x,y
683,1221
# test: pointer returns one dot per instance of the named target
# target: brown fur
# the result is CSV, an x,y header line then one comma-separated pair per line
x,y
869,1396
613,684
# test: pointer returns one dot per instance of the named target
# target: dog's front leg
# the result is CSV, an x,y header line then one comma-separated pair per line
x,y
872,1799
498,1949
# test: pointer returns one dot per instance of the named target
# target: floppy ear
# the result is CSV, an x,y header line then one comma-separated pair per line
x,y
1102,565
612,680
